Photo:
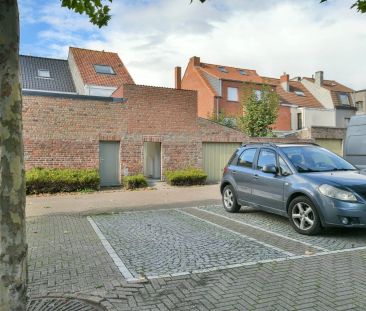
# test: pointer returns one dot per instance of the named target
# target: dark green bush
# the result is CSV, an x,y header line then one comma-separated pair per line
x,y
186,177
135,181
42,180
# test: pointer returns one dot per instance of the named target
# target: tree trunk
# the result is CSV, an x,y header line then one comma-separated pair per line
x,y
13,247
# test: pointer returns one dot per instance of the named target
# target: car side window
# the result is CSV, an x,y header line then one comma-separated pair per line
x,y
246,159
284,169
266,157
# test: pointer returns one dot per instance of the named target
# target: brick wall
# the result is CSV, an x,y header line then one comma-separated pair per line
x,y
283,122
192,80
65,132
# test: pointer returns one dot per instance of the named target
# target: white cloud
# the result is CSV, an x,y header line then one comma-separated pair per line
x,y
272,36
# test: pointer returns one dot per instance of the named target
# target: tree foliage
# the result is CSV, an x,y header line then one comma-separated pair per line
x,y
223,119
259,113
97,11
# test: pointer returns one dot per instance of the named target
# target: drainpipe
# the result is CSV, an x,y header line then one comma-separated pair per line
x,y
217,107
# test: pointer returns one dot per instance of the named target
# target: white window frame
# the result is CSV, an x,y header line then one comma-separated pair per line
x,y
111,71
258,94
41,75
232,94
345,96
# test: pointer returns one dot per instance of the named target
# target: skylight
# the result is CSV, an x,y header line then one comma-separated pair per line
x,y
104,69
222,69
299,93
44,73
242,72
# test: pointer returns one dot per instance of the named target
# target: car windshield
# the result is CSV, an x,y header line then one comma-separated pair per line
x,y
315,159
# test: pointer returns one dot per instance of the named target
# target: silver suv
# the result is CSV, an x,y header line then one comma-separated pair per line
x,y
310,185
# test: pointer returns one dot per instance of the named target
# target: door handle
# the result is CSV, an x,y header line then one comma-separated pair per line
x,y
234,172
255,176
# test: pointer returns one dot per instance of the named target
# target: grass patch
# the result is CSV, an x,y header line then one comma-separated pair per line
x,y
186,177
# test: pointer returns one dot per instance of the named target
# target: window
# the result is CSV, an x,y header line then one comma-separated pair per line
x,y
258,94
242,72
222,69
232,94
266,157
299,121
44,73
104,69
246,159
343,97
299,93
284,169
359,105
346,121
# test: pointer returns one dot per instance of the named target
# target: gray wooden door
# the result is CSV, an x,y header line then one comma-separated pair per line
x,y
109,168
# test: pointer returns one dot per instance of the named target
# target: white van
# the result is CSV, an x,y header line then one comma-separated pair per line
x,y
355,143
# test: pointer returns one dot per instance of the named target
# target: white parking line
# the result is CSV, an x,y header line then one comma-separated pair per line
x,y
111,252
238,233
265,230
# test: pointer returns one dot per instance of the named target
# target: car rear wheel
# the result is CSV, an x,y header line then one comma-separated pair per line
x,y
229,200
304,216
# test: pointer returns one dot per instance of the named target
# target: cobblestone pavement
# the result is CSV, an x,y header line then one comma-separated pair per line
x,y
67,258
331,239
167,242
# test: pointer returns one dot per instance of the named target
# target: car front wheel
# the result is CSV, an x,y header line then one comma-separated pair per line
x,y
229,200
304,216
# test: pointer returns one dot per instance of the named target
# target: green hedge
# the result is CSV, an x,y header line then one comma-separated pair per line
x,y
134,181
186,177
41,180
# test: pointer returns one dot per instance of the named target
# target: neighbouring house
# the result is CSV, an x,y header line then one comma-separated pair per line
x,y
336,98
304,102
359,98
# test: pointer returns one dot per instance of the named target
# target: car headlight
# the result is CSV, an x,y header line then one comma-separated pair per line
x,y
337,193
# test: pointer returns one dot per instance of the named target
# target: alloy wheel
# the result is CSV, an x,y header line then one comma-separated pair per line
x,y
228,198
303,216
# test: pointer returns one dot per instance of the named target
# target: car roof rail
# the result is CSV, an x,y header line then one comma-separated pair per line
x,y
274,145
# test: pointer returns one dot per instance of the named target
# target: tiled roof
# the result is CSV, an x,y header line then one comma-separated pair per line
x,y
86,59
232,73
60,77
290,98
333,86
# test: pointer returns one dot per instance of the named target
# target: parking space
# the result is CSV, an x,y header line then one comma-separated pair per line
x,y
172,242
330,240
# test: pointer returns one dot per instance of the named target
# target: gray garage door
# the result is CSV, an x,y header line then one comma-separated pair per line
x,y
215,157
109,168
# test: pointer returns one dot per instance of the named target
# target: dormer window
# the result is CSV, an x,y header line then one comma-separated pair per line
x,y
104,69
300,93
242,72
43,73
222,69
344,99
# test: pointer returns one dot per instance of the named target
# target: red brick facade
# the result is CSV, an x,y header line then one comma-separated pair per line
x,y
65,132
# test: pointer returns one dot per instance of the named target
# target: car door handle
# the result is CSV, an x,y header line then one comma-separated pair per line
x,y
255,176
234,172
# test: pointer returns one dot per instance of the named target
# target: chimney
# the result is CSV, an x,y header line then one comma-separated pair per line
x,y
319,77
178,77
285,82
196,61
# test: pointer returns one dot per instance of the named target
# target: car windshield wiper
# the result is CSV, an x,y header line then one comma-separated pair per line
x,y
340,169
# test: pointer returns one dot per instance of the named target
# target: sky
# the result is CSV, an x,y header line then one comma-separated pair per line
x,y
298,37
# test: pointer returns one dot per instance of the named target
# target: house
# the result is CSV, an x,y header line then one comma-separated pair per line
x,y
87,112
359,98
304,102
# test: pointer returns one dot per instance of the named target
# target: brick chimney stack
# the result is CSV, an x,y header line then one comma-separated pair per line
x,y
196,61
178,77
285,82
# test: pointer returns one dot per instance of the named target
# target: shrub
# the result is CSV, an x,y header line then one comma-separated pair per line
x,y
135,181
42,180
186,177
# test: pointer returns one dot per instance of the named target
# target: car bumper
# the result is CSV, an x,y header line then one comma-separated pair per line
x,y
343,214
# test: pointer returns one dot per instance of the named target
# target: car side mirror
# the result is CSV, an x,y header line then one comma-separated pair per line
x,y
272,169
